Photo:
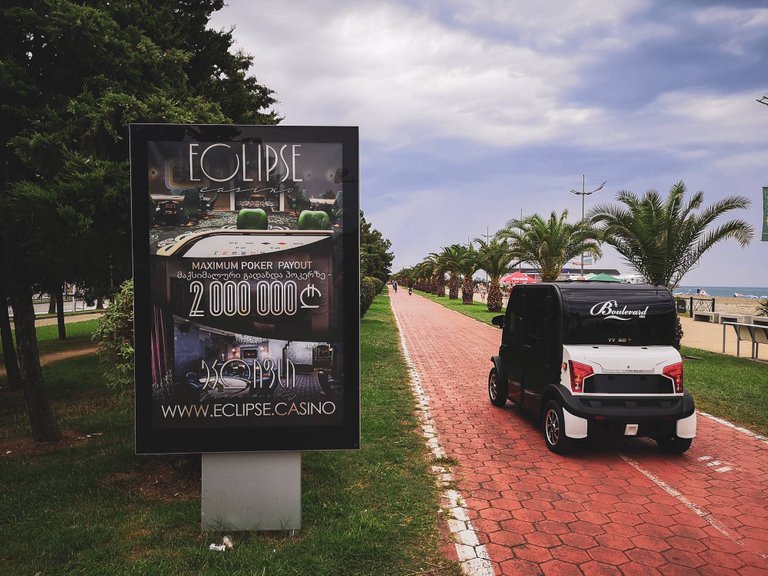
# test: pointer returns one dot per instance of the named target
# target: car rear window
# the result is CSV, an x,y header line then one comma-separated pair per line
x,y
637,318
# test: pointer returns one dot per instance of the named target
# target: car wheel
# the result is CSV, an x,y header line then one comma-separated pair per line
x,y
554,429
674,444
497,390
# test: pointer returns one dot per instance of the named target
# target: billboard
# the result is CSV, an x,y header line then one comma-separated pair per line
x,y
246,278
764,237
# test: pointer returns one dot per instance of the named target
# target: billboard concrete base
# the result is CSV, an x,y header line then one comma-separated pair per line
x,y
253,491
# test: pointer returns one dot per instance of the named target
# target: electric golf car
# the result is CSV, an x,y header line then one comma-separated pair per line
x,y
590,358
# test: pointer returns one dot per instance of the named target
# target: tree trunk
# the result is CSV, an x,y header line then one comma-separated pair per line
x,y
41,417
9,349
51,304
495,301
60,313
453,286
467,291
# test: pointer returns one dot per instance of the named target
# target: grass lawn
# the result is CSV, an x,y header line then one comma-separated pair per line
x,y
78,336
476,310
85,510
735,389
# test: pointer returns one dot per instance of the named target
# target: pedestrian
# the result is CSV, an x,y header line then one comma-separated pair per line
x,y
394,286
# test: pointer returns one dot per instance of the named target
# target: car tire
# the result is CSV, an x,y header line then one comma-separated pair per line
x,y
554,429
674,444
497,390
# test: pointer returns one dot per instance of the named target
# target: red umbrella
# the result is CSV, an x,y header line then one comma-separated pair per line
x,y
517,277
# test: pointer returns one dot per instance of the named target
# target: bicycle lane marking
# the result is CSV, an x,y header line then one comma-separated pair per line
x,y
722,478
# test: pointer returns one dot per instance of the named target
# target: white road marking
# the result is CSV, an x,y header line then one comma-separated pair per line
x,y
678,496
759,437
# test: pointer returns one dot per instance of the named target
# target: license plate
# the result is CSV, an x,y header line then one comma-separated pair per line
x,y
630,430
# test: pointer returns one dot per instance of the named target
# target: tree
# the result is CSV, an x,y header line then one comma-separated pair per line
x,y
438,274
450,261
468,265
375,257
663,239
494,257
549,244
116,342
74,76
6,335
422,272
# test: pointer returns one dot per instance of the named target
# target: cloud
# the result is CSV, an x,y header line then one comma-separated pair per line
x,y
405,77
472,111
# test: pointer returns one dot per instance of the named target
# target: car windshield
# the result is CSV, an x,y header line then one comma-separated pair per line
x,y
642,318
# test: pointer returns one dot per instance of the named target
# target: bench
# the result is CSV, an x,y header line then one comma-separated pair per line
x,y
735,318
756,334
706,316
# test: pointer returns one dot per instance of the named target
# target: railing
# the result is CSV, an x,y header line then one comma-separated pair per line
x,y
756,334
691,304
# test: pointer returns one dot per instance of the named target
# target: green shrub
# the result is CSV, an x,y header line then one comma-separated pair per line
x,y
115,339
762,308
378,284
368,292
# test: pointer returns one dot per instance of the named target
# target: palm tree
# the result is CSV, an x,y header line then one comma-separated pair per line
x,y
405,276
438,274
467,266
423,272
663,239
450,261
494,257
549,244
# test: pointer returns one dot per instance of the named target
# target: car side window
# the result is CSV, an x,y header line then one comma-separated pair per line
x,y
509,324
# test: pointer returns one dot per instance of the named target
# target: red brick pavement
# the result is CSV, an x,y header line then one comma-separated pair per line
x,y
609,508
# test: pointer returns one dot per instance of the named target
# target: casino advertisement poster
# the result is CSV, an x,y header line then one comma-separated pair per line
x,y
246,267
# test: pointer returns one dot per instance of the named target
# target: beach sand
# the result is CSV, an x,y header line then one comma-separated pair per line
x,y
745,306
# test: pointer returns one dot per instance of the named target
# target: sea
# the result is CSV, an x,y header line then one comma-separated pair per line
x,y
723,291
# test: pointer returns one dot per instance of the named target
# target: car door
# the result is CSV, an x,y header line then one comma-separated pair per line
x,y
540,343
510,351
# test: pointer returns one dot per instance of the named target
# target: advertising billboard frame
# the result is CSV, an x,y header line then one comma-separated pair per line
x,y
292,433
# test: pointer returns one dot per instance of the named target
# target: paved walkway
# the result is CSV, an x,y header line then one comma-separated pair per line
x,y
615,508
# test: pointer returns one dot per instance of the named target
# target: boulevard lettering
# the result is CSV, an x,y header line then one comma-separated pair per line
x,y
611,311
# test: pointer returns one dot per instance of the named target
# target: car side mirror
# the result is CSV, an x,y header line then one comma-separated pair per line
x,y
498,321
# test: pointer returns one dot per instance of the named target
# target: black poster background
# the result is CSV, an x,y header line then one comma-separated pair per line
x,y
246,336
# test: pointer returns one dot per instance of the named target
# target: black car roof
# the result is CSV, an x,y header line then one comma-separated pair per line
x,y
584,286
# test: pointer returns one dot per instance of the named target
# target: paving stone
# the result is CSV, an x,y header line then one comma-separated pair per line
x,y
610,508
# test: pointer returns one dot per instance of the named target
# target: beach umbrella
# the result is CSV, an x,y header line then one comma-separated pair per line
x,y
602,277
517,277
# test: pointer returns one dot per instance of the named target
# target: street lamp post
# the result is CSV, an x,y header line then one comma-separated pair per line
x,y
584,193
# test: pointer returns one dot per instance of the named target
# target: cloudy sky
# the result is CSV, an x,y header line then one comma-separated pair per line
x,y
471,113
